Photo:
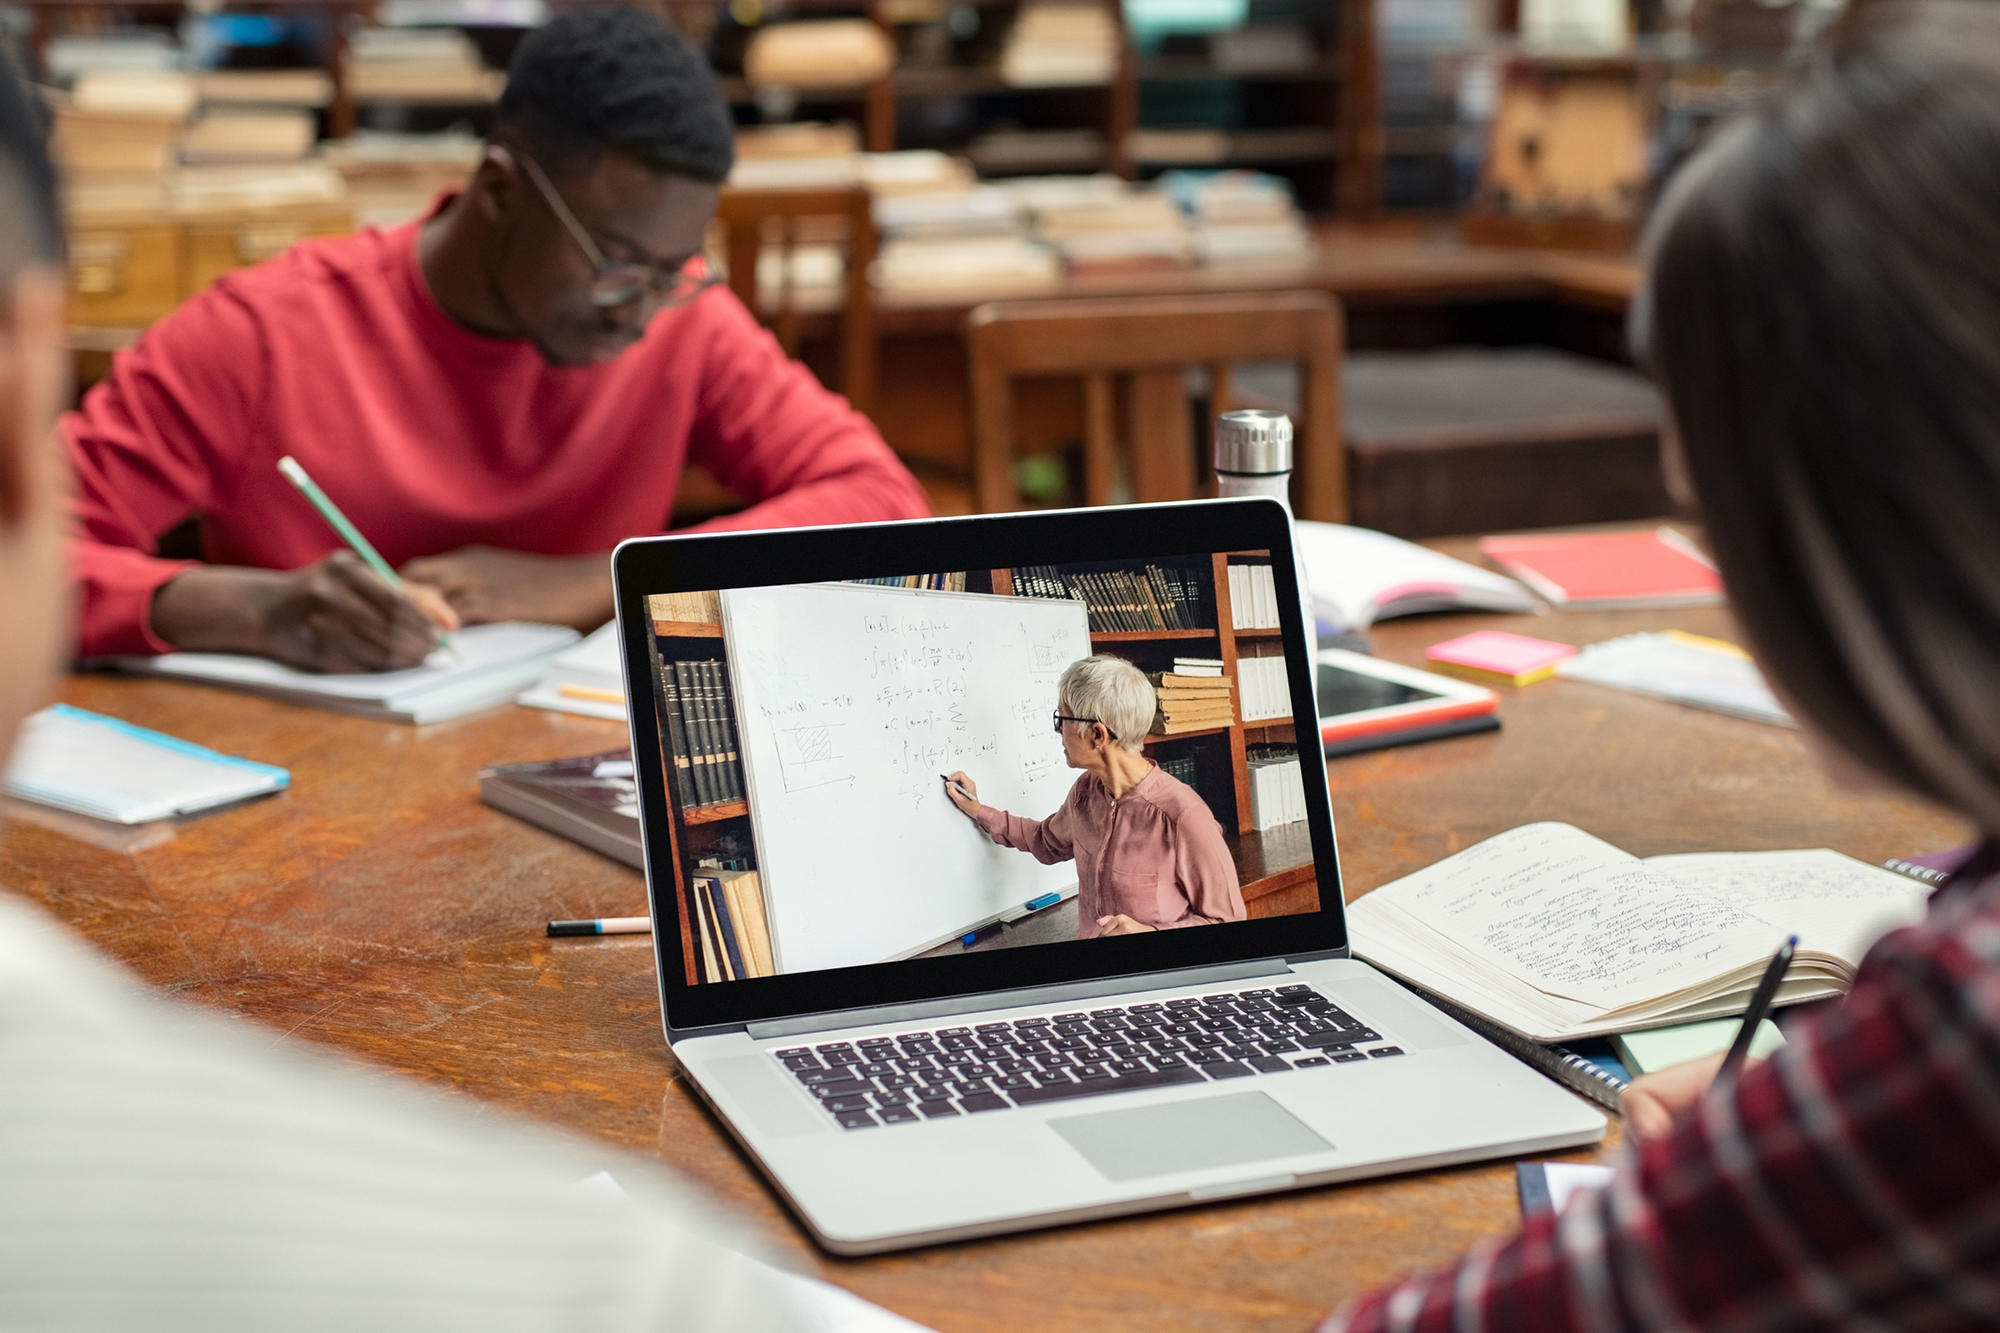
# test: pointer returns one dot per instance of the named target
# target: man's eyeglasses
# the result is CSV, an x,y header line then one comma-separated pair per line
x,y
618,282
1062,717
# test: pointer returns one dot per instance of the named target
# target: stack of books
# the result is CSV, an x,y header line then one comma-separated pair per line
x,y
1267,693
1134,230
1191,697
1241,217
701,730
1061,45
1253,597
955,233
247,138
1277,786
733,932
1120,600
431,66
591,799
393,177
117,137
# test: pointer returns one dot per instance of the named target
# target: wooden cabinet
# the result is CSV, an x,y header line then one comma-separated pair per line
x,y
123,274
212,245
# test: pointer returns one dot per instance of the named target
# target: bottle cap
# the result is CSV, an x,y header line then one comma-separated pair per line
x,y
1253,443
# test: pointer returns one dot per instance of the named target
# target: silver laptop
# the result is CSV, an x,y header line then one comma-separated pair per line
x,y
924,1035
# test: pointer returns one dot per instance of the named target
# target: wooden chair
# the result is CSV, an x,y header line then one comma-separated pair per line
x,y
748,214
1153,341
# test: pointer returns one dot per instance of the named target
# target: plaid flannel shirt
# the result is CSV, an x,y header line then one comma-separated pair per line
x,y
1851,1181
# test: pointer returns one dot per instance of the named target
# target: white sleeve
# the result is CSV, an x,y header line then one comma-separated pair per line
x,y
166,1168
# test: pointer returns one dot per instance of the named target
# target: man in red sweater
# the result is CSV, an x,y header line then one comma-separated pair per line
x,y
496,394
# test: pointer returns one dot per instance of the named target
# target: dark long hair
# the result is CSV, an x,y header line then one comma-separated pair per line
x,y
1823,310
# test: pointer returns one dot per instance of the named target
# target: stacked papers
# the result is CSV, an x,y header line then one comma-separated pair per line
x,y
93,765
1686,668
486,665
587,679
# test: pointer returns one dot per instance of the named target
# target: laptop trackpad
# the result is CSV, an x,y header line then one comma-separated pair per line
x,y
1188,1136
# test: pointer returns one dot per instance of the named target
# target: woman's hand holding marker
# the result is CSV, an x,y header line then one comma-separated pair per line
x,y
964,793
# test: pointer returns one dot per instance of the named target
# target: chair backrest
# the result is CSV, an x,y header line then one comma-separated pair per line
x,y
746,213
1153,341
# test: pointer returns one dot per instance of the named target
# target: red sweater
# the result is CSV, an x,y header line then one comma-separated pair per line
x,y
432,437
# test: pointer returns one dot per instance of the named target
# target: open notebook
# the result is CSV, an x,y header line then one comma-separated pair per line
x,y
1558,935
486,665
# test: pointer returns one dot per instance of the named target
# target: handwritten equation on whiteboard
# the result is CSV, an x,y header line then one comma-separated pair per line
x,y
851,700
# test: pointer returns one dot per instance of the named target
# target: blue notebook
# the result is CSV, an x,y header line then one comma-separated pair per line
x,y
94,765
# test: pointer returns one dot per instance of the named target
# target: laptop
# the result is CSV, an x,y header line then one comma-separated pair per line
x,y
923,1031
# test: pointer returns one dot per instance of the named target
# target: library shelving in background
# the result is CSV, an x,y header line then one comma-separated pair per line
x,y
692,833
1275,866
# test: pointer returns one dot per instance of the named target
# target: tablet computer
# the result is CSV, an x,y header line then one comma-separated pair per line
x,y
1366,703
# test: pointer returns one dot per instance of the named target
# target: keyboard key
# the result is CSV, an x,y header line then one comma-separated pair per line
x,y
896,1081
841,1058
1347,1057
857,1120
1125,1067
1254,994
1270,1064
983,1101
1070,1018
835,1046
1013,1081
812,1078
1310,1062
1031,1023
1295,990
1050,1092
935,1093
1397,1050
798,1064
899,1115
848,1088
1145,1009
937,1110
992,1027
796,1050
1088,1072
874,1069
840,1105
894,1096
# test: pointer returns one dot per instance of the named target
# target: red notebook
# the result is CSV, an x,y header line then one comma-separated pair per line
x,y
1622,569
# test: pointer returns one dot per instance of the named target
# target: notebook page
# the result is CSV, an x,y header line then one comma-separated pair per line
x,y
475,650
99,766
1576,917
1834,903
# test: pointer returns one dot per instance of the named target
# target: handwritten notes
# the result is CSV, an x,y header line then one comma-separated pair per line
x,y
1560,935
1576,917
851,701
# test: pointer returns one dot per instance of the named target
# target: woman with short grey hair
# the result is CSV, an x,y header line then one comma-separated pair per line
x,y
1149,855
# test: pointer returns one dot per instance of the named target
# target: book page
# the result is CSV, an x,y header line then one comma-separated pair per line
x,y
1577,917
1833,903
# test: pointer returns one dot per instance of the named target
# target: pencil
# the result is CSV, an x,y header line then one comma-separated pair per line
x,y
350,534
609,925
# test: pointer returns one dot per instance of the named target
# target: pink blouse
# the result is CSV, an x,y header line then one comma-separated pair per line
x,y
1156,854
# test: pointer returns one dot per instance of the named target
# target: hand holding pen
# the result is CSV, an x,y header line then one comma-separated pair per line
x,y
963,791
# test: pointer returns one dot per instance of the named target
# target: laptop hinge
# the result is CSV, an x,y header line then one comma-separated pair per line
x,y
1033,995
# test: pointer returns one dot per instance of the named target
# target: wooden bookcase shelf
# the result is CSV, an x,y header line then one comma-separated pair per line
x,y
686,629
1147,635
709,814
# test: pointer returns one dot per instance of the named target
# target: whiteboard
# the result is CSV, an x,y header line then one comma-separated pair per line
x,y
850,700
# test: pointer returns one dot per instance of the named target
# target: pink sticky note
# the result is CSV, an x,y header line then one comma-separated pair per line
x,y
1515,657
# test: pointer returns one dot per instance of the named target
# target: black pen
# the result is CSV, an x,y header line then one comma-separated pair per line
x,y
1754,1016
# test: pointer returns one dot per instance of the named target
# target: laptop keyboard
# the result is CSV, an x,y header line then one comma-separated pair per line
x,y
953,1071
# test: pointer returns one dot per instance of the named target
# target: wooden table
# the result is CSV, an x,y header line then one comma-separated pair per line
x,y
379,909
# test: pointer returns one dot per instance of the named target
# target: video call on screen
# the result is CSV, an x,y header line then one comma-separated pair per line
x,y
807,732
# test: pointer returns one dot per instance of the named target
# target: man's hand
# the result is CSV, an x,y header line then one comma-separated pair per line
x,y
484,584
964,793
335,616
1654,1101
1120,924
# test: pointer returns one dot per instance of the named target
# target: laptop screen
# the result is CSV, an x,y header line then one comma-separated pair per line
x,y
911,769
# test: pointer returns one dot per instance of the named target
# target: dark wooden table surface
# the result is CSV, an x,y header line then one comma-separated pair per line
x,y
378,908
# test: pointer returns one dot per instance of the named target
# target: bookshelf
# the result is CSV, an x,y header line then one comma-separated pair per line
x,y
692,833
1275,866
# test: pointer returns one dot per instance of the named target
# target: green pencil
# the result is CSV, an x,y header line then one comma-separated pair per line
x,y
350,534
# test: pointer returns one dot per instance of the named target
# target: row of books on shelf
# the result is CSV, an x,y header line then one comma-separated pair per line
x,y
1194,696
1182,769
1267,690
732,932
695,608
701,731
1253,597
934,582
1277,786
1121,600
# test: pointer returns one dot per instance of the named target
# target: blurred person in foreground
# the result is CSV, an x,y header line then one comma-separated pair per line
x,y
168,1168
496,393
1822,308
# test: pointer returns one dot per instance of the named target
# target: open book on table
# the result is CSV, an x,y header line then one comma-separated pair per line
x,y
1558,935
